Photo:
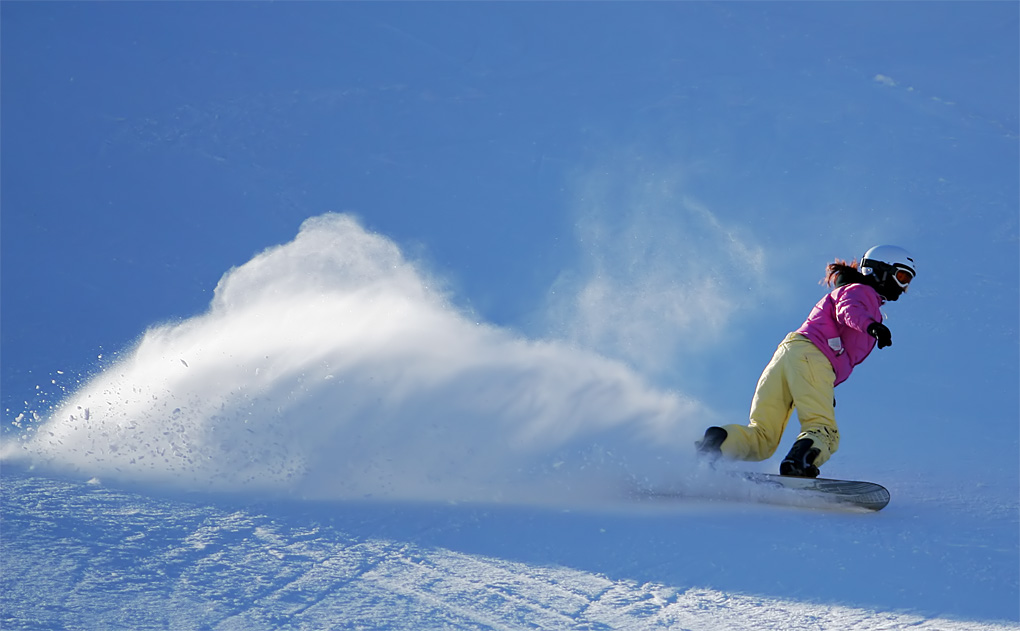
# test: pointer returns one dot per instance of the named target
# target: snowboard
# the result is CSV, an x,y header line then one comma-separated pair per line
x,y
863,494
767,488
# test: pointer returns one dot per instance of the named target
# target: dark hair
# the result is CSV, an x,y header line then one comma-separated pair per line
x,y
840,272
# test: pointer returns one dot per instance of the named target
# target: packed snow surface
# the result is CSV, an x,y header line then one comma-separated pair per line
x,y
84,556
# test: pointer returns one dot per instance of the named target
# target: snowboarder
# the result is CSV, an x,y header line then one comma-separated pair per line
x,y
839,333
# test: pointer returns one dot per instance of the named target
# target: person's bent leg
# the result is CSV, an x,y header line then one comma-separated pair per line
x,y
770,411
811,381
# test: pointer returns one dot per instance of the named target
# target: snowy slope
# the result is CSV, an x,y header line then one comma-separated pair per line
x,y
82,556
614,211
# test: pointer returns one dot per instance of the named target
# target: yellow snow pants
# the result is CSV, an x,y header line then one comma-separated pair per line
x,y
799,376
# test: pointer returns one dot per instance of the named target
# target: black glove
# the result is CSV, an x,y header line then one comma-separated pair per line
x,y
881,333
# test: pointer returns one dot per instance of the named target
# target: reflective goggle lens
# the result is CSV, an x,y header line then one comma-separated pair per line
x,y
903,277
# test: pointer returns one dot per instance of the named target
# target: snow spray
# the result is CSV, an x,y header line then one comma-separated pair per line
x,y
331,367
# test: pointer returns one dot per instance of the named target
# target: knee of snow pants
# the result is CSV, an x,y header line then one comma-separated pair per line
x,y
798,377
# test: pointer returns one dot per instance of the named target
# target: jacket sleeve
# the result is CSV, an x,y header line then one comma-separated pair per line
x,y
855,310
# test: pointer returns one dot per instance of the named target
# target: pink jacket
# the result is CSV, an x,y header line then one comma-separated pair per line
x,y
838,326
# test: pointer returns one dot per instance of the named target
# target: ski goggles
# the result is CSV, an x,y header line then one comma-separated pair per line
x,y
903,277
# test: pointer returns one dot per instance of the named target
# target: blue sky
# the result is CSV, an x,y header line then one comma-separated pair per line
x,y
657,183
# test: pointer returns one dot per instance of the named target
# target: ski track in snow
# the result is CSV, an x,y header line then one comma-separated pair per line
x,y
82,556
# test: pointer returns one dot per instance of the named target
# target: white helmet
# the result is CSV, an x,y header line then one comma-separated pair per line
x,y
890,268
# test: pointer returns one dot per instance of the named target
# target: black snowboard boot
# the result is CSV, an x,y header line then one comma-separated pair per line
x,y
710,447
800,461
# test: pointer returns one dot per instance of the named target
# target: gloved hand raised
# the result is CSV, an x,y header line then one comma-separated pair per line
x,y
881,333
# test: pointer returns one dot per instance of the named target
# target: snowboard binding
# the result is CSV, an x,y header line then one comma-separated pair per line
x,y
710,447
800,461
